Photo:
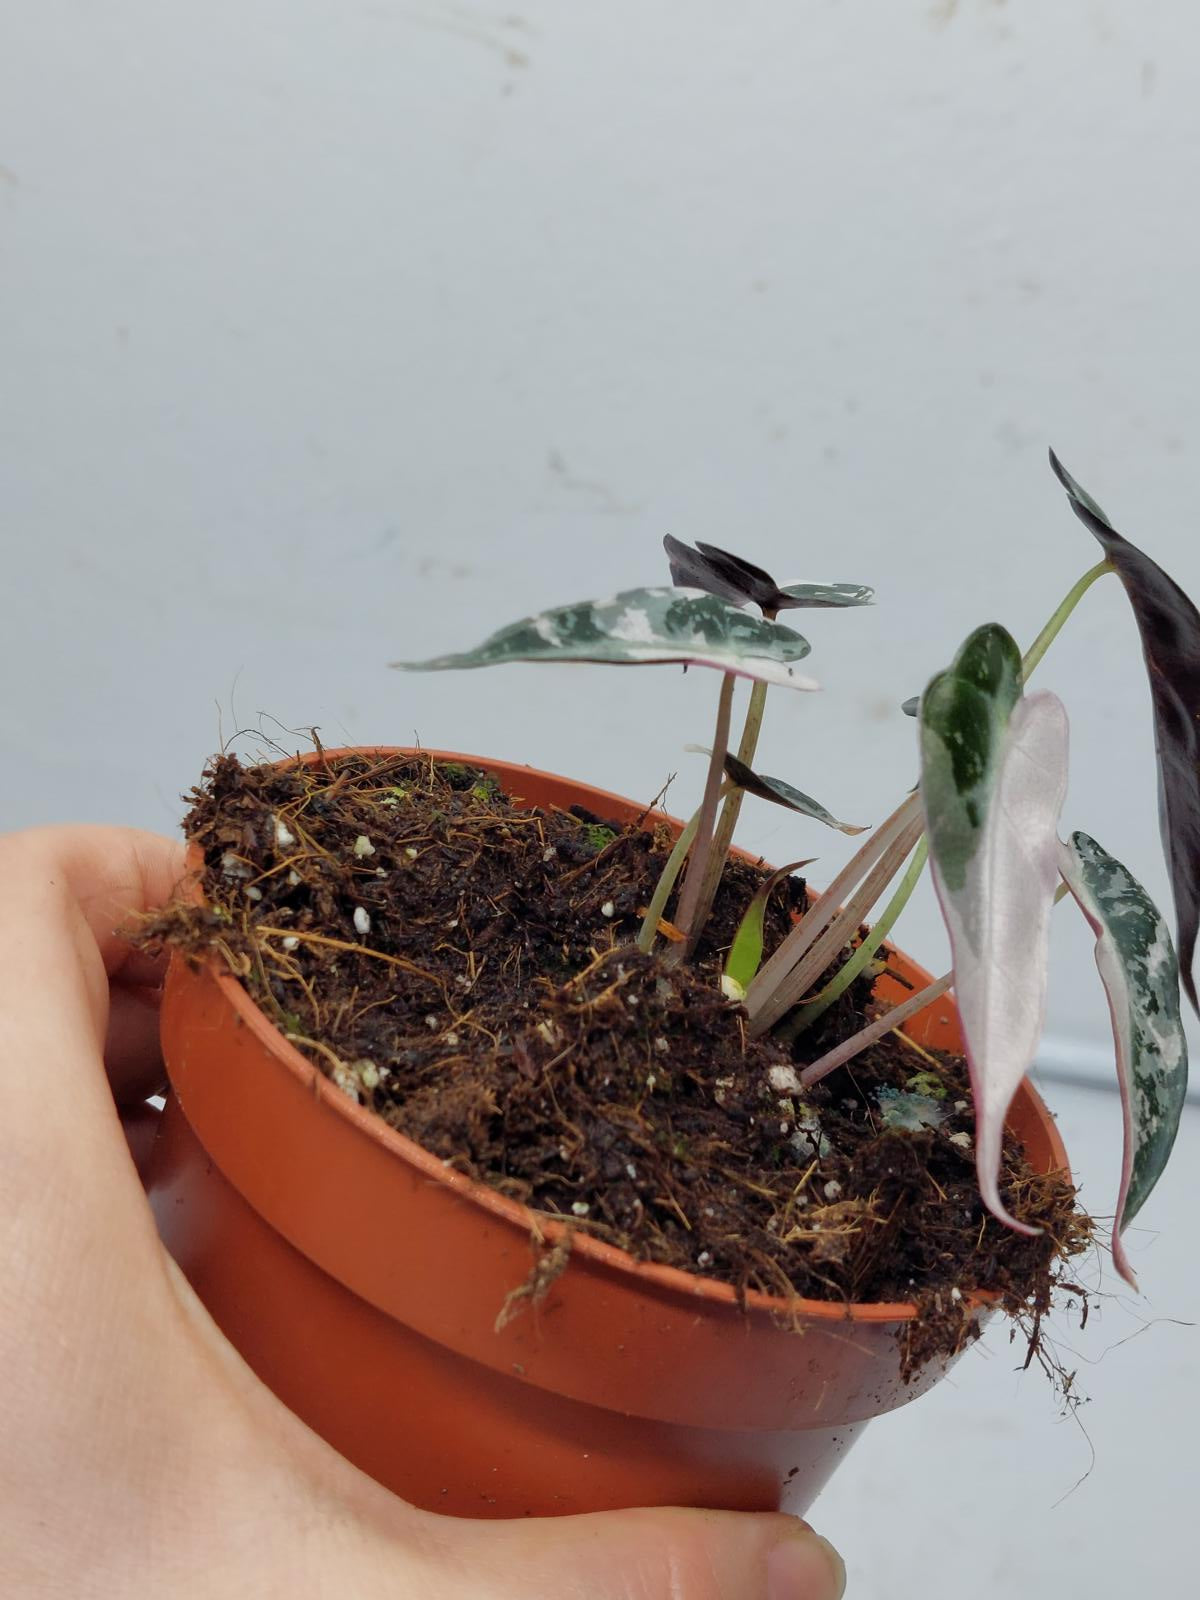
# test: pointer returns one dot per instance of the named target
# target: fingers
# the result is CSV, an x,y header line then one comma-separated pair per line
x,y
649,1555
67,892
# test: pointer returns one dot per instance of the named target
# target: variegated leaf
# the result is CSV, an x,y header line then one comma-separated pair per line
x,y
782,794
1169,625
721,573
1140,972
993,778
826,596
964,713
644,626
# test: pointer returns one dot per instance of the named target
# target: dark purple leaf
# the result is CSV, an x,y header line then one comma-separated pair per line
x,y
721,573
1169,625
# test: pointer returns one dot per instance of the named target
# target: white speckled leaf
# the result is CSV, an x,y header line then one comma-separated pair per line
x,y
827,596
1140,971
996,899
783,794
640,627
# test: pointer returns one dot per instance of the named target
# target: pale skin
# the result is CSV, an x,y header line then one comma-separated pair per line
x,y
138,1455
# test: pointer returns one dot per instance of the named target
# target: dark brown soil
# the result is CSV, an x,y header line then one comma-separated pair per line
x,y
467,970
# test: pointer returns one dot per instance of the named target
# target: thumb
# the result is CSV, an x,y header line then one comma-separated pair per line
x,y
657,1555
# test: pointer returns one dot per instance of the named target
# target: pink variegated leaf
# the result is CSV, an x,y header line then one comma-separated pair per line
x,y
993,778
1140,971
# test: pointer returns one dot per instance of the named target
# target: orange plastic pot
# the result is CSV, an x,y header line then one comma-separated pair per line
x,y
362,1279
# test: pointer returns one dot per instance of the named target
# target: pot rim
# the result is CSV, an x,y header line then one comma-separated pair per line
x,y
513,1212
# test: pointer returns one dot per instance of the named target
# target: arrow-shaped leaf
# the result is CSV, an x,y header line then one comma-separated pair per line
x,y
746,951
1169,625
993,777
1141,977
721,573
782,794
642,626
964,714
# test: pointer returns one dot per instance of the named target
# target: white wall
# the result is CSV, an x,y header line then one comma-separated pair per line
x,y
336,332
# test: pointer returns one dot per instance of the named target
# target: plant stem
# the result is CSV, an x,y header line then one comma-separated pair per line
x,y
723,836
666,882
846,974
689,895
1052,629
849,1048
826,926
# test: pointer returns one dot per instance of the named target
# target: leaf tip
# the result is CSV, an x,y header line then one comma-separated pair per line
x,y
1121,1262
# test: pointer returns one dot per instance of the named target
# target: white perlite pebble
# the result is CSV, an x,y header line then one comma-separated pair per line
x,y
608,909
362,921
294,879
369,1073
283,835
962,1140
431,1022
252,893
363,846
704,1259
580,1207
231,867
832,1189
347,1082
783,1080
631,1169
411,852
291,942
662,1046
956,1294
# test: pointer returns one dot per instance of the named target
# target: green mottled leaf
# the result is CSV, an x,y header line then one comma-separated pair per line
x,y
964,713
1169,625
721,573
993,778
1140,972
746,951
640,627
782,794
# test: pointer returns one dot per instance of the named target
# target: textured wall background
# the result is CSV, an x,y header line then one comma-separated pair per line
x,y
333,332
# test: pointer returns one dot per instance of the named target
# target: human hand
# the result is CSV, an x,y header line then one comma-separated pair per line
x,y
138,1454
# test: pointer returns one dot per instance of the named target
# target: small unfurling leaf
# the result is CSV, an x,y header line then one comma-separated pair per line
x,y
746,951
719,572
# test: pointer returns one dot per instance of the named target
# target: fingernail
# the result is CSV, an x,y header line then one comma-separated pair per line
x,y
805,1567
